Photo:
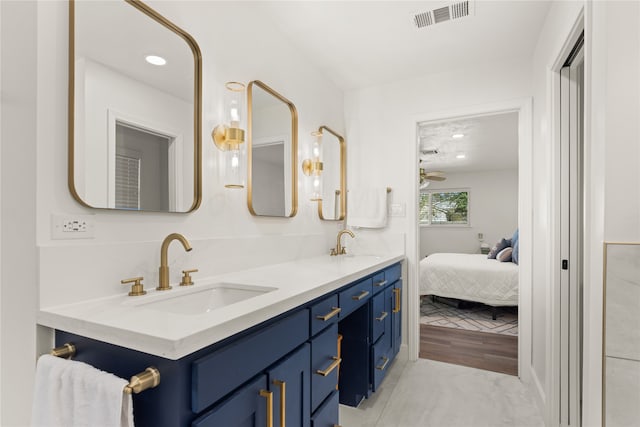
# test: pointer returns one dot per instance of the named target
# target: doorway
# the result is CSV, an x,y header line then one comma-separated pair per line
x,y
523,109
468,225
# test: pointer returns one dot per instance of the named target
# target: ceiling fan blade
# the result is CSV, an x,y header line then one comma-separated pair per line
x,y
435,178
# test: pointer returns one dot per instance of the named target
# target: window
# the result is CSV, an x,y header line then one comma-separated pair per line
x,y
444,207
127,182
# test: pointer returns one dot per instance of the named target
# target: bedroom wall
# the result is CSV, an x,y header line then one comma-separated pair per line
x,y
493,211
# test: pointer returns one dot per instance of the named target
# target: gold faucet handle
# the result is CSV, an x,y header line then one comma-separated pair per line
x,y
343,251
186,277
137,288
333,252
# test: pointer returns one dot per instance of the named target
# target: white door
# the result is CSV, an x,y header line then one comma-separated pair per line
x,y
571,235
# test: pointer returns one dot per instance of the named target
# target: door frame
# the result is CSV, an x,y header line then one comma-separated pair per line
x,y
524,108
553,333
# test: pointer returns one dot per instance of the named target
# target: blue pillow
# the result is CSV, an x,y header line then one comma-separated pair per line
x,y
514,253
515,237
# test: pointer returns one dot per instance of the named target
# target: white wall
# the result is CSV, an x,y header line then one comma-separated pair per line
x,y
493,211
613,132
553,35
18,265
129,242
381,123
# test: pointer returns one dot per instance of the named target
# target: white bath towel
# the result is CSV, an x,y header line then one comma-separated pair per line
x,y
74,394
367,207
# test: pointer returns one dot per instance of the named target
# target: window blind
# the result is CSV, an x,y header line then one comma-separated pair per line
x,y
127,182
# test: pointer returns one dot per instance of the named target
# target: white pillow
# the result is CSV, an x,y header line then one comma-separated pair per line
x,y
504,255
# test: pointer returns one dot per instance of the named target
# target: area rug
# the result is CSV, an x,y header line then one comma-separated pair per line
x,y
472,316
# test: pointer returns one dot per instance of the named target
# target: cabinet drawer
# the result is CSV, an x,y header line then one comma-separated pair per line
x,y
393,273
379,282
379,315
222,371
324,365
381,357
324,313
355,296
327,414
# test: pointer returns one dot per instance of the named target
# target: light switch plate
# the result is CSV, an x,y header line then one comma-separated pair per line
x,y
398,209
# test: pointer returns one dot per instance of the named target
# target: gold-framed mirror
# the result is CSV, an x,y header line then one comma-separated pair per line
x,y
134,109
272,152
332,205
621,334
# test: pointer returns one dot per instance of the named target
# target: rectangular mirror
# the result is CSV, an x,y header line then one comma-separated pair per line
x,y
332,206
134,109
272,147
621,340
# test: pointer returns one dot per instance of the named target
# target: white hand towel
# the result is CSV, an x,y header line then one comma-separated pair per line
x,y
367,207
74,394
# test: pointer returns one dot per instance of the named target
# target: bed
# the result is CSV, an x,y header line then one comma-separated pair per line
x,y
470,277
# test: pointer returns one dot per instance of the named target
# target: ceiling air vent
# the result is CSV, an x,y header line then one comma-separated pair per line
x,y
443,14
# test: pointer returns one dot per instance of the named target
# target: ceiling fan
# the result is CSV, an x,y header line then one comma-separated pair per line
x,y
427,177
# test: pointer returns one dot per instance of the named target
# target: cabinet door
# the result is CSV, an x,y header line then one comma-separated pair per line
x,y
290,382
250,406
396,319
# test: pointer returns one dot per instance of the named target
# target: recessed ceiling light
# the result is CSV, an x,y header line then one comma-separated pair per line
x,y
457,135
155,60
461,156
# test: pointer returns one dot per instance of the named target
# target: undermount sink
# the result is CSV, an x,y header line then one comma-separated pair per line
x,y
208,299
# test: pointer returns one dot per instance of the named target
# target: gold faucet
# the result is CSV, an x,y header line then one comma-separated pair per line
x,y
339,249
163,284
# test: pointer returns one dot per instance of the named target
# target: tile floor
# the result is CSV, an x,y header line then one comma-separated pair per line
x,y
436,394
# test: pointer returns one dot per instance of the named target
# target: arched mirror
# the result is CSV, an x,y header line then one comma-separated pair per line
x,y
332,206
134,109
272,147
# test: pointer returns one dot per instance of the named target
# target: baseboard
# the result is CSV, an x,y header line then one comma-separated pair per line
x,y
537,391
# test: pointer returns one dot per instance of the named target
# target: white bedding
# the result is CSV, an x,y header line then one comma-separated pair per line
x,y
470,277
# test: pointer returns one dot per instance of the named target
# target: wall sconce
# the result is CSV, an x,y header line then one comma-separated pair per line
x,y
229,136
313,167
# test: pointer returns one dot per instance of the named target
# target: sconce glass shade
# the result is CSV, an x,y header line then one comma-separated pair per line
x,y
312,167
229,136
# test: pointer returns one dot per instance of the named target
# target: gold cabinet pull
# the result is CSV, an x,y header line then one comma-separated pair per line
x,y
269,396
382,316
380,284
283,401
334,311
334,365
396,309
384,365
362,295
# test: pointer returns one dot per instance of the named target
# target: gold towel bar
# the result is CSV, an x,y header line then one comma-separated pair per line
x,y
142,381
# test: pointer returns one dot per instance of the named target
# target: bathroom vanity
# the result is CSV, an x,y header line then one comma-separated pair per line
x,y
326,330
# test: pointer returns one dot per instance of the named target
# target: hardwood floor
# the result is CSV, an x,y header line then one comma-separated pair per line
x,y
493,352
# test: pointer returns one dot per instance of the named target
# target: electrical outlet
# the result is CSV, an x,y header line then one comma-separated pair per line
x,y
72,227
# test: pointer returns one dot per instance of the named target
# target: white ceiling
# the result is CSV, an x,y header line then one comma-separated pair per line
x,y
364,43
489,143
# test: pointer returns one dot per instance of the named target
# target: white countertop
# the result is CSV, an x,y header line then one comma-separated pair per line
x,y
126,321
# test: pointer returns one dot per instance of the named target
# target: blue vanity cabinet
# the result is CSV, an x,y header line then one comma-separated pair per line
x,y
290,383
248,407
284,371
